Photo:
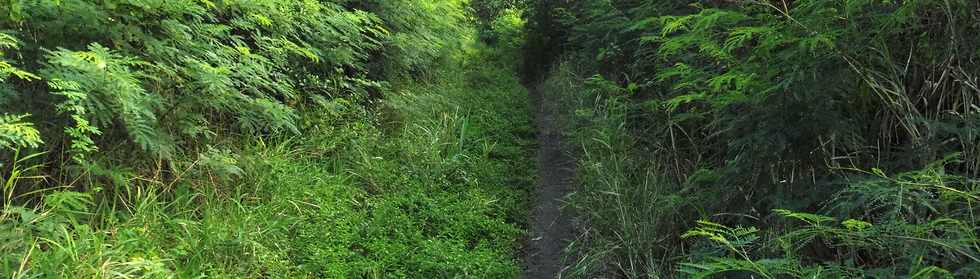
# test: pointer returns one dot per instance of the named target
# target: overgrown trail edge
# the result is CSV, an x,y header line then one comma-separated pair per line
x,y
551,229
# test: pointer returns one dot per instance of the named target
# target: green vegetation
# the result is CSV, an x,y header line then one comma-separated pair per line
x,y
244,139
391,138
768,139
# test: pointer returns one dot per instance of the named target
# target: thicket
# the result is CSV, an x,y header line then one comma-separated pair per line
x,y
259,138
775,139
163,78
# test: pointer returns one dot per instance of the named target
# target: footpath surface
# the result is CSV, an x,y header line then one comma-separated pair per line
x,y
551,229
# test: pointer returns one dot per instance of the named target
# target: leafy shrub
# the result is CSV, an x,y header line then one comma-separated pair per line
x,y
14,131
728,110
914,224
421,33
238,139
171,77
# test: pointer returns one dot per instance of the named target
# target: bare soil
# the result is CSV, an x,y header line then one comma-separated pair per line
x,y
551,228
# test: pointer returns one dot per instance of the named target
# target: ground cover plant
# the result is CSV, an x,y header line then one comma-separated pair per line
x,y
260,139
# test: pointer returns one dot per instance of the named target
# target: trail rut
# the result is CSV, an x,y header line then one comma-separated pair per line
x,y
551,229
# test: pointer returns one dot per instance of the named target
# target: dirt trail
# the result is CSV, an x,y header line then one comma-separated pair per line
x,y
551,229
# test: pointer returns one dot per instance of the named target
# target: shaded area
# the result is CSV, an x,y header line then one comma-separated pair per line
x,y
551,229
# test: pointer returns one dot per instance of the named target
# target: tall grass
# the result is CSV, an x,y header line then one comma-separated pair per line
x,y
637,223
801,139
429,183
627,209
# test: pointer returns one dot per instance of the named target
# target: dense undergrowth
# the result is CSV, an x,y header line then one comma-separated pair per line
x,y
389,138
768,139
283,139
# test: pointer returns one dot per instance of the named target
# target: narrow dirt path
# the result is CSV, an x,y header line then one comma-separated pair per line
x,y
551,229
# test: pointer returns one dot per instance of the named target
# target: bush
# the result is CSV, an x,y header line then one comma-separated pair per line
x,y
239,139
726,111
